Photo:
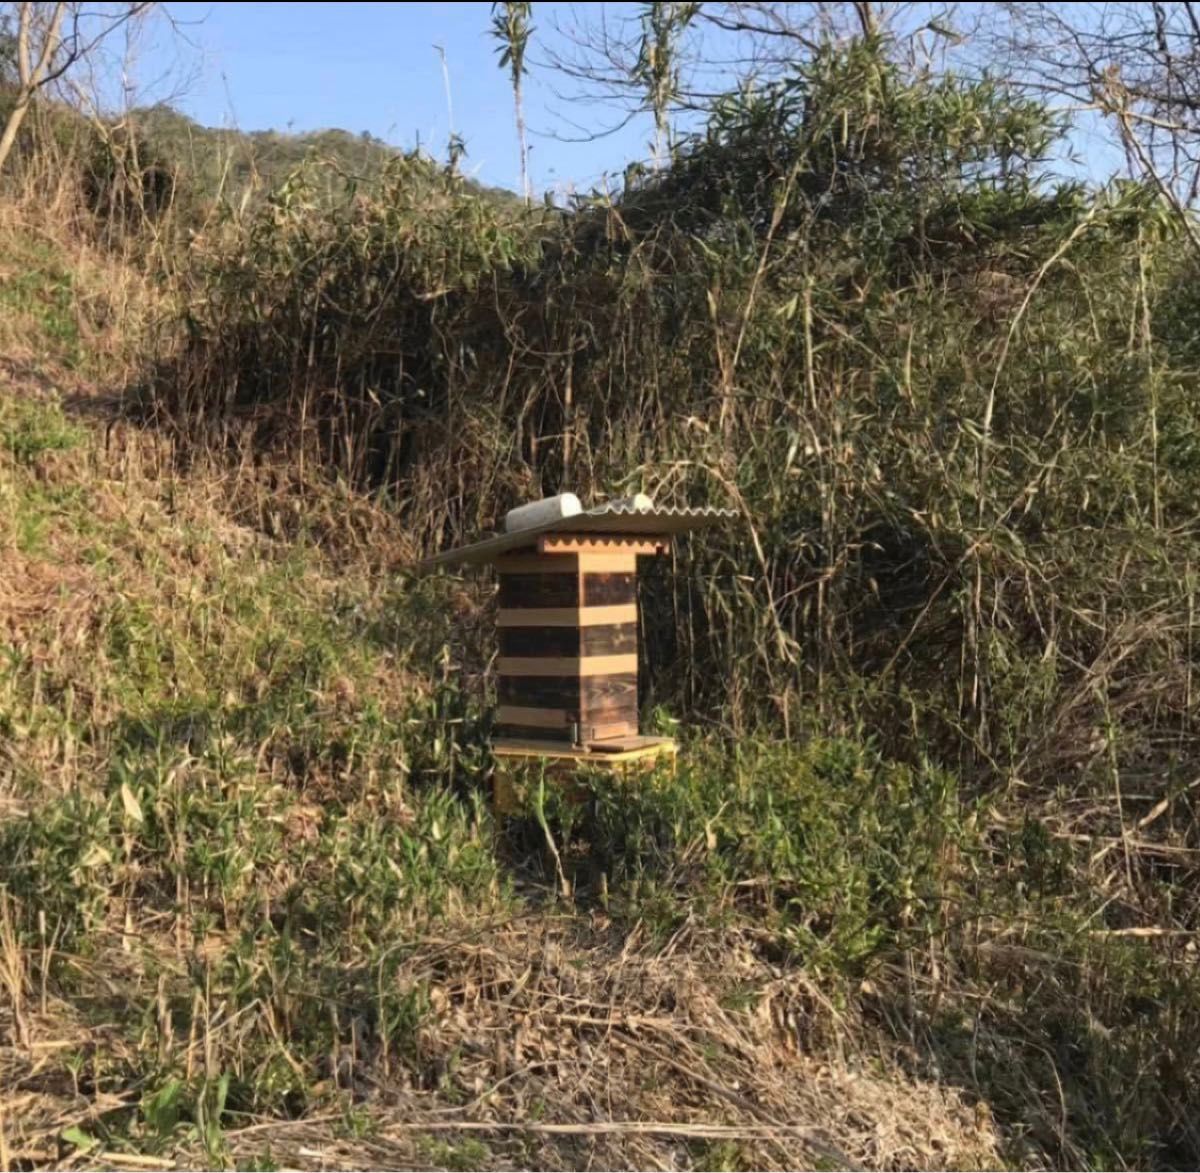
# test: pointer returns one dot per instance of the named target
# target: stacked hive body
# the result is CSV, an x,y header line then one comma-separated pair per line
x,y
568,629
568,640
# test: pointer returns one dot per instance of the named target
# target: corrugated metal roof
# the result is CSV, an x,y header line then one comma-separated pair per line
x,y
618,519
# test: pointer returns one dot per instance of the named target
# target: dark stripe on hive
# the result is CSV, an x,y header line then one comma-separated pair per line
x,y
615,689
611,639
539,590
542,692
539,641
607,640
534,733
600,590
616,692
601,700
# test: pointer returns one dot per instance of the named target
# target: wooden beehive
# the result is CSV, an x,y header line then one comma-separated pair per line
x,y
568,641
568,623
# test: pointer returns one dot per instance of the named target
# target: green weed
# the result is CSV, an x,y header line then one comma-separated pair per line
x,y
42,291
28,429
848,857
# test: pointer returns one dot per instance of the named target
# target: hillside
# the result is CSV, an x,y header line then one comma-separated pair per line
x,y
921,891
205,166
232,160
278,924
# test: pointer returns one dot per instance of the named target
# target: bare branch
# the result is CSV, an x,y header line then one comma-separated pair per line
x,y
1138,65
45,53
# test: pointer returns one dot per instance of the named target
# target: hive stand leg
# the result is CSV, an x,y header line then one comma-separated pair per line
x,y
561,771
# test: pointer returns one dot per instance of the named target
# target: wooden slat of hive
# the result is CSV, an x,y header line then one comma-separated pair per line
x,y
609,699
568,645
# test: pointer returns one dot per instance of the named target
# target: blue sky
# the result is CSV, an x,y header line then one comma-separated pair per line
x,y
374,67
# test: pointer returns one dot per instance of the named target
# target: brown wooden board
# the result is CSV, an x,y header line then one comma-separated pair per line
x,y
627,726
608,705
542,692
540,641
608,589
524,715
540,590
607,640
623,743
610,640
618,730
595,700
618,690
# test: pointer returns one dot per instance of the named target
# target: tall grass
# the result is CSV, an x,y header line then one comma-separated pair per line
x,y
952,632
928,380
949,398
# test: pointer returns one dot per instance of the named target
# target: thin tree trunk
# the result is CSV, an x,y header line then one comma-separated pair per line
x,y
867,18
520,104
30,74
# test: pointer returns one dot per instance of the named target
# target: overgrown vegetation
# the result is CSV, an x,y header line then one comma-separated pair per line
x,y
936,821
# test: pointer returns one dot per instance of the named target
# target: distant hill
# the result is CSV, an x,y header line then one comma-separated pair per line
x,y
230,161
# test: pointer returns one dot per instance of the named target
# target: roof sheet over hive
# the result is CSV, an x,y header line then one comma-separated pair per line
x,y
618,519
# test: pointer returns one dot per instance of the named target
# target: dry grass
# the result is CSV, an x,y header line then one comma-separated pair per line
x,y
256,910
76,313
548,1037
561,1042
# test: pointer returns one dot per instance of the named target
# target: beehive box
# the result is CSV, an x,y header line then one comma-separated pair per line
x,y
568,642
568,620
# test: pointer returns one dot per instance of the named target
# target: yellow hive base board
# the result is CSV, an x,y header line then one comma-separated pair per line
x,y
562,760
583,755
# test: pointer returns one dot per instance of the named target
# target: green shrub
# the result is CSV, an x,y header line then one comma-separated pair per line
x,y
845,858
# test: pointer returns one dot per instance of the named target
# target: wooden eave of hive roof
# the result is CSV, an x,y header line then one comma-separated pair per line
x,y
615,519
